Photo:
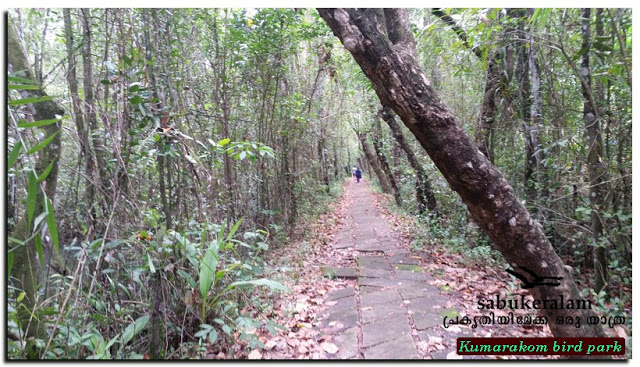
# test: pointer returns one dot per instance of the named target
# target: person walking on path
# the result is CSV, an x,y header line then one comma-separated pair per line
x,y
358,175
353,171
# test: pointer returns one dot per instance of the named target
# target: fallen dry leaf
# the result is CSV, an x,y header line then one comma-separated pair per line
x,y
453,355
329,347
255,354
270,344
620,331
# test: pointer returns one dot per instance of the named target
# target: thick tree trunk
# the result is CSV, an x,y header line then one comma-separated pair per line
x,y
373,162
595,163
382,159
424,192
25,264
383,45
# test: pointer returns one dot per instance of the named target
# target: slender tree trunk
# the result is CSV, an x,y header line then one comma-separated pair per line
x,y
99,172
485,126
595,164
524,110
336,165
162,146
382,158
38,62
484,130
373,162
382,43
85,145
364,164
322,152
533,128
223,99
424,192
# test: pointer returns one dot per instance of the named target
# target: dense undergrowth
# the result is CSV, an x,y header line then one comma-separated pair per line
x,y
166,294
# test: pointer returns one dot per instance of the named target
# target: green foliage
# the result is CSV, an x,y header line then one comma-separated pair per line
x,y
210,277
228,267
240,150
24,101
35,190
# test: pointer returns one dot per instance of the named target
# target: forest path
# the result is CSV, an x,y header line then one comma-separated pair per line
x,y
392,311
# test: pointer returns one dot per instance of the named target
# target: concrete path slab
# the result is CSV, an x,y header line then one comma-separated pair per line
x,y
376,273
382,311
337,321
392,305
342,304
413,289
344,273
385,330
340,293
348,341
400,348
379,282
341,245
382,296
425,320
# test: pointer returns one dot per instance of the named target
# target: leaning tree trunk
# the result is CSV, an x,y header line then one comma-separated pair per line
x,y
376,134
424,192
594,158
373,162
382,44
25,263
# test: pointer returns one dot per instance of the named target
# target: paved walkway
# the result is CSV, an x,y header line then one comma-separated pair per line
x,y
393,312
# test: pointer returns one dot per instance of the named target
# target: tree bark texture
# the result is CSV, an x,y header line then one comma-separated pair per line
x,y
382,44
373,162
100,176
524,106
85,145
424,192
162,160
533,127
376,135
484,131
595,163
